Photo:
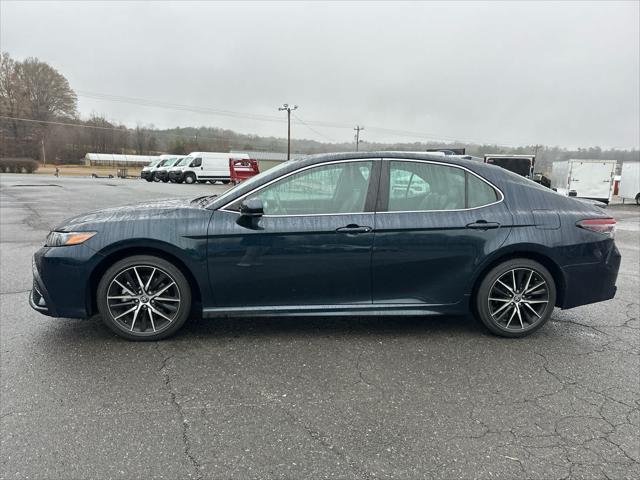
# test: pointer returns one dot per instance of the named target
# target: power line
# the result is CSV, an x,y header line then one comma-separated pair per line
x,y
424,136
313,129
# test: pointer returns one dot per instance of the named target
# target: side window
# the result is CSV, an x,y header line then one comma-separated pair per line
x,y
425,186
196,163
329,189
479,193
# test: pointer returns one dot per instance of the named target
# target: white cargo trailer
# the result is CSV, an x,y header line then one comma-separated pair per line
x,y
630,181
582,178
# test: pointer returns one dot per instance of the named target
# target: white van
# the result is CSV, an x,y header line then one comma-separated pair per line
x,y
147,172
161,172
151,169
204,166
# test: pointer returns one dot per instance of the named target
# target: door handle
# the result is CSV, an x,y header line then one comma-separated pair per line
x,y
352,228
483,225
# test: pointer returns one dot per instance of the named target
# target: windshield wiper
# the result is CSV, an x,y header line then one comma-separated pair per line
x,y
203,200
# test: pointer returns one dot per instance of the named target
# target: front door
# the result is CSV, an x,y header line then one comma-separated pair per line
x,y
435,223
311,247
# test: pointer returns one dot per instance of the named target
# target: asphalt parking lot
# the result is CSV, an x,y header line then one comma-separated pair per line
x,y
307,398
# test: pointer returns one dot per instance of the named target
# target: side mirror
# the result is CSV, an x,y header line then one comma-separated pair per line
x,y
252,208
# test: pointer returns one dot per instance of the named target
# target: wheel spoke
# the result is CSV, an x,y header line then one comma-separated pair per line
x,y
495,299
166,299
158,312
528,280
515,286
519,316
511,317
501,308
124,313
135,315
532,309
146,287
535,287
164,289
509,289
140,282
126,289
121,297
535,301
153,325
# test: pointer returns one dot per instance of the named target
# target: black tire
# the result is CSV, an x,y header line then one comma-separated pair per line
x,y
638,199
189,178
143,327
149,179
494,303
202,181
165,180
226,182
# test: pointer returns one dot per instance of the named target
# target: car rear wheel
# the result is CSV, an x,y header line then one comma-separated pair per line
x,y
144,298
516,298
189,178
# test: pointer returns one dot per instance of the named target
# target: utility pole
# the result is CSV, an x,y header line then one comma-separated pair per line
x,y
358,129
44,155
288,109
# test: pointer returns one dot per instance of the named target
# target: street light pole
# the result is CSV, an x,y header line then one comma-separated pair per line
x,y
288,109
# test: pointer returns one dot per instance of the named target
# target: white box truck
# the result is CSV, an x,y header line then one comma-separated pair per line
x,y
204,166
582,178
629,188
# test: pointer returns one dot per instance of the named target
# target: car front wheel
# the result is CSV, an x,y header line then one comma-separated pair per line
x,y
516,298
144,298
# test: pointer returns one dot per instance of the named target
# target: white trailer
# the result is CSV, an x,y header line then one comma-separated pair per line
x,y
582,178
629,188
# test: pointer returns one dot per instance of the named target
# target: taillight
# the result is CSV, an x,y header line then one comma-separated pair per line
x,y
606,226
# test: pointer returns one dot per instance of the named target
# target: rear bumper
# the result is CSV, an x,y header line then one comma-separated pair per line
x,y
591,282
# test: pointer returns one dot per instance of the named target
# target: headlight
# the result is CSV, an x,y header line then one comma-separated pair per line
x,y
61,239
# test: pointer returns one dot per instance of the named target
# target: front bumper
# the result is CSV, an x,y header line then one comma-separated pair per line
x,y
162,175
175,176
591,282
145,174
61,284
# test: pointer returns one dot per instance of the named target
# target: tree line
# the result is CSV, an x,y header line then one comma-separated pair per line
x,y
39,119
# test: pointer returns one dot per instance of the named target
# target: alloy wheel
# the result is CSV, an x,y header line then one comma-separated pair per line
x,y
518,299
143,299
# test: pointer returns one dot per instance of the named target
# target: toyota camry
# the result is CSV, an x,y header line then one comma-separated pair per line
x,y
384,233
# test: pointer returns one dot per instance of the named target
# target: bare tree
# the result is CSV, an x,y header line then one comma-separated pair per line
x,y
47,92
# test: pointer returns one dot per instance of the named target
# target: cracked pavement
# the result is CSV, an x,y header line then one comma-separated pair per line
x,y
312,397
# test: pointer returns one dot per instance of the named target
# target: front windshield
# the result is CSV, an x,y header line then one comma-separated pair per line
x,y
183,162
256,179
154,163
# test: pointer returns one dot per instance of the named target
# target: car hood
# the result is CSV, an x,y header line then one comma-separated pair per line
x,y
141,211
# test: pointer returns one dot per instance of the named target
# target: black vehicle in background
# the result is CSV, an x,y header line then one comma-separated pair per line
x,y
520,164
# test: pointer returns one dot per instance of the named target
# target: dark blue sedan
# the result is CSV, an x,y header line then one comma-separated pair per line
x,y
376,233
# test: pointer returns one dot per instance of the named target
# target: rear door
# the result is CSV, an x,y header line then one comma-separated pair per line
x,y
591,179
434,223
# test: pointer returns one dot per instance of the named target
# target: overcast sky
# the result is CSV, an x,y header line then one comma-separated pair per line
x,y
513,73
